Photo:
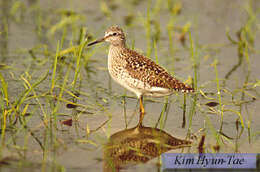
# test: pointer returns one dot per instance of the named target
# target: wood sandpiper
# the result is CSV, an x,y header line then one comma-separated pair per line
x,y
136,72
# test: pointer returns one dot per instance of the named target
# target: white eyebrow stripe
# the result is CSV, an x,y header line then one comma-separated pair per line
x,y
109,34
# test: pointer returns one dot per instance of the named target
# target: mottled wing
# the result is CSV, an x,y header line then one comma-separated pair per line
x,y
146,70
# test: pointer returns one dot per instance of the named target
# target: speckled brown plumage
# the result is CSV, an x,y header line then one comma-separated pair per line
x,y
146,70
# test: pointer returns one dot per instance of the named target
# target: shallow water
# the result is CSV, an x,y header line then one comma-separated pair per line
x,y
30,31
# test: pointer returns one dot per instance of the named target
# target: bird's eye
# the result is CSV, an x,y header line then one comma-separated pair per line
x,y
114,34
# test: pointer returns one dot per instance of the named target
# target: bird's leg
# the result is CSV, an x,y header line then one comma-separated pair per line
x,y
141,111
141,105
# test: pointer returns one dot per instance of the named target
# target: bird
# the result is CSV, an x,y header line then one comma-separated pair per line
x,y
136,72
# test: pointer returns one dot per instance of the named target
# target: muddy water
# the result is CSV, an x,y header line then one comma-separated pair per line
x,y
30,27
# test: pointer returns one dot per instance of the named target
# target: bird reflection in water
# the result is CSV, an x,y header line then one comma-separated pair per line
x,y
138,145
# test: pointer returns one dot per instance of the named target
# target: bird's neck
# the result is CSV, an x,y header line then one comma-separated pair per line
x,y
116,49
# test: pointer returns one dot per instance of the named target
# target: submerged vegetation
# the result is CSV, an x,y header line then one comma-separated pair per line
x,y
57,100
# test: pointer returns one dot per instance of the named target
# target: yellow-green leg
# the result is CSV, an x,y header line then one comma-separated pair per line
x,y
141,112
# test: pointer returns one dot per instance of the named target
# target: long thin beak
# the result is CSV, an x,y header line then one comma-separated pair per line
x,y
97,41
